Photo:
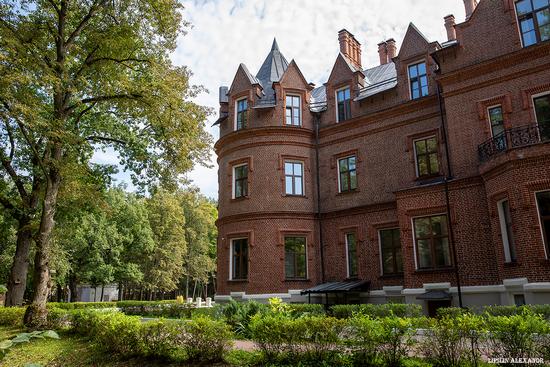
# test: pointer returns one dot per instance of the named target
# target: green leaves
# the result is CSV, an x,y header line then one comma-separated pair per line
x,y
25,338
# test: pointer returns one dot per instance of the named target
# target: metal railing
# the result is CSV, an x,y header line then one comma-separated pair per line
x,y
513,138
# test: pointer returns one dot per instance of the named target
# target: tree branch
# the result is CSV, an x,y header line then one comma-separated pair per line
x,y
106,139
84,22
54,5
105,98
11,139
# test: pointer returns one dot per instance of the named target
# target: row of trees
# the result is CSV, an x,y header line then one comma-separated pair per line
x,y
77,76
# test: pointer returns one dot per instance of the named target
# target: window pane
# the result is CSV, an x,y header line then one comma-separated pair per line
x,y
527,25
343,165
422,68
423,165
423,81
543,17
288,185
415,94
412,71
340,95
442,253
386,238
543,201
538,4
420,146
288,116
351,163
288,100
398,260
523,6
296,116
439,225
288,168
353,180
298,186
542,110
296,101
545,32
298,169
424,254
387,262
424,91
238,190
422,227
434,164
344,183
529,38
431,144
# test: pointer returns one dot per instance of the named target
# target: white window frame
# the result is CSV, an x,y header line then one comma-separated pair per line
x,y
303,178
300,122
415,155
414,236
336,100
234,178
546,254
489,116
231,255
237,112
420,61
347,253
504,230
338,171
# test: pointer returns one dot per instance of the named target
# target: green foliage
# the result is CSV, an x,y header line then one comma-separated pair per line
x,y
455,341
452,312
239,314
25,338
3,289
543,310
382,310
517,335
12,316
396,339
306,309
363,339
152,309
81,305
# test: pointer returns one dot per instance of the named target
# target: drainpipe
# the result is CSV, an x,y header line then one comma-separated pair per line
x,y
317,122
448,177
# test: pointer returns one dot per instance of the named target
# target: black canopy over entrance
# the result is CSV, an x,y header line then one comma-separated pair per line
x,y
345,287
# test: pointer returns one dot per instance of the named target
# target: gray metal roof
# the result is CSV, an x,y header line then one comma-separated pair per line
x,y
318,99
336,287
271,71
252,78
435,295
378,79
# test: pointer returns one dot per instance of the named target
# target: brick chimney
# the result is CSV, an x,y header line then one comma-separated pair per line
x,y
391,49
450,27
470,6
383,52
350,48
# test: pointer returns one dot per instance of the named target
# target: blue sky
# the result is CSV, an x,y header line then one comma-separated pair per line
x,y
225,33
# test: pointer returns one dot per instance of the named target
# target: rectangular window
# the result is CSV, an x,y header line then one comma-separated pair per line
x,y
390,249
294,178
347,174
418,80
343,99
240,181
295,258
427,157
542,113
351,253
534,21
293,111
543,205
506,232
242,107
432,242
496,120
239,259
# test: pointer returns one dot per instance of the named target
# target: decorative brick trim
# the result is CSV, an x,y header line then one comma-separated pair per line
x,y
527,95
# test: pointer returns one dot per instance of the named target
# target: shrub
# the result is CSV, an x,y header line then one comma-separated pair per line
x,y
206,340
3,289
396,339
306,309
362,336
454,341
12,316
383,310
160,339
517,335
239,314
215,312
59,319
167,310
452,312
80,305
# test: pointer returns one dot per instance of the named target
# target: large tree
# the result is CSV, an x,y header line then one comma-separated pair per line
x,y
79,74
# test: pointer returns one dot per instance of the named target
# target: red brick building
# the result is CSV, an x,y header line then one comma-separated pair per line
x,y
427,176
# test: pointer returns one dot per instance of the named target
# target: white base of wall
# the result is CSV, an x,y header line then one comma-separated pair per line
x,y
472,296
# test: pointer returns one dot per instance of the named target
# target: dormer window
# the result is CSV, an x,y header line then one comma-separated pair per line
x,y
240,118
293,115
534,21
343,101
418,80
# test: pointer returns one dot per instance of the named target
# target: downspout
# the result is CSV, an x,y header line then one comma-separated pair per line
x,y
448,177
317,122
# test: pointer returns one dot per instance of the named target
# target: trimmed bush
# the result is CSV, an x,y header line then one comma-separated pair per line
x,y
206,340
383,310
517,335
306,309
81,305
167,310
452,312
12,316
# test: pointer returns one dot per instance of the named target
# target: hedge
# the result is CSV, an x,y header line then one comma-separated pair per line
x,y
12,316
382,310
81,305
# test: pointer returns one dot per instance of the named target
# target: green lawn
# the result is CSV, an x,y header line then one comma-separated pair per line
x,y
69,351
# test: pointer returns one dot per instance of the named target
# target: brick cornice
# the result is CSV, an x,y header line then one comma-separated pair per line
x,y
225,152
283,131
370,208
523,55
394,111
455,184
264,215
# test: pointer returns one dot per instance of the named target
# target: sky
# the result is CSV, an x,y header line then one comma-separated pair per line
x,y
225,33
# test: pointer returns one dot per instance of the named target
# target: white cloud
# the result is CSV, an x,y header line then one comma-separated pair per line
x,y
226,33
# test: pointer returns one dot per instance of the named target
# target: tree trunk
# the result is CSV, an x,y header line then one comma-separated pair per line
x,y
102,292
36,313
17,282
120,291
73,289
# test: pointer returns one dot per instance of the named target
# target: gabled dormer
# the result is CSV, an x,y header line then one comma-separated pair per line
x,y
294,94
415,67
345,80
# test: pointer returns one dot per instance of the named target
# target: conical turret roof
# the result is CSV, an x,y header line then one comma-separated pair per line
x,y
272,70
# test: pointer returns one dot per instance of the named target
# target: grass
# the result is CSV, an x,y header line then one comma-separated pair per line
x,y
69,351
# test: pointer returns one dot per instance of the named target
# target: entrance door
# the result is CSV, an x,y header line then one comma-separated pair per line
x,y
433,306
